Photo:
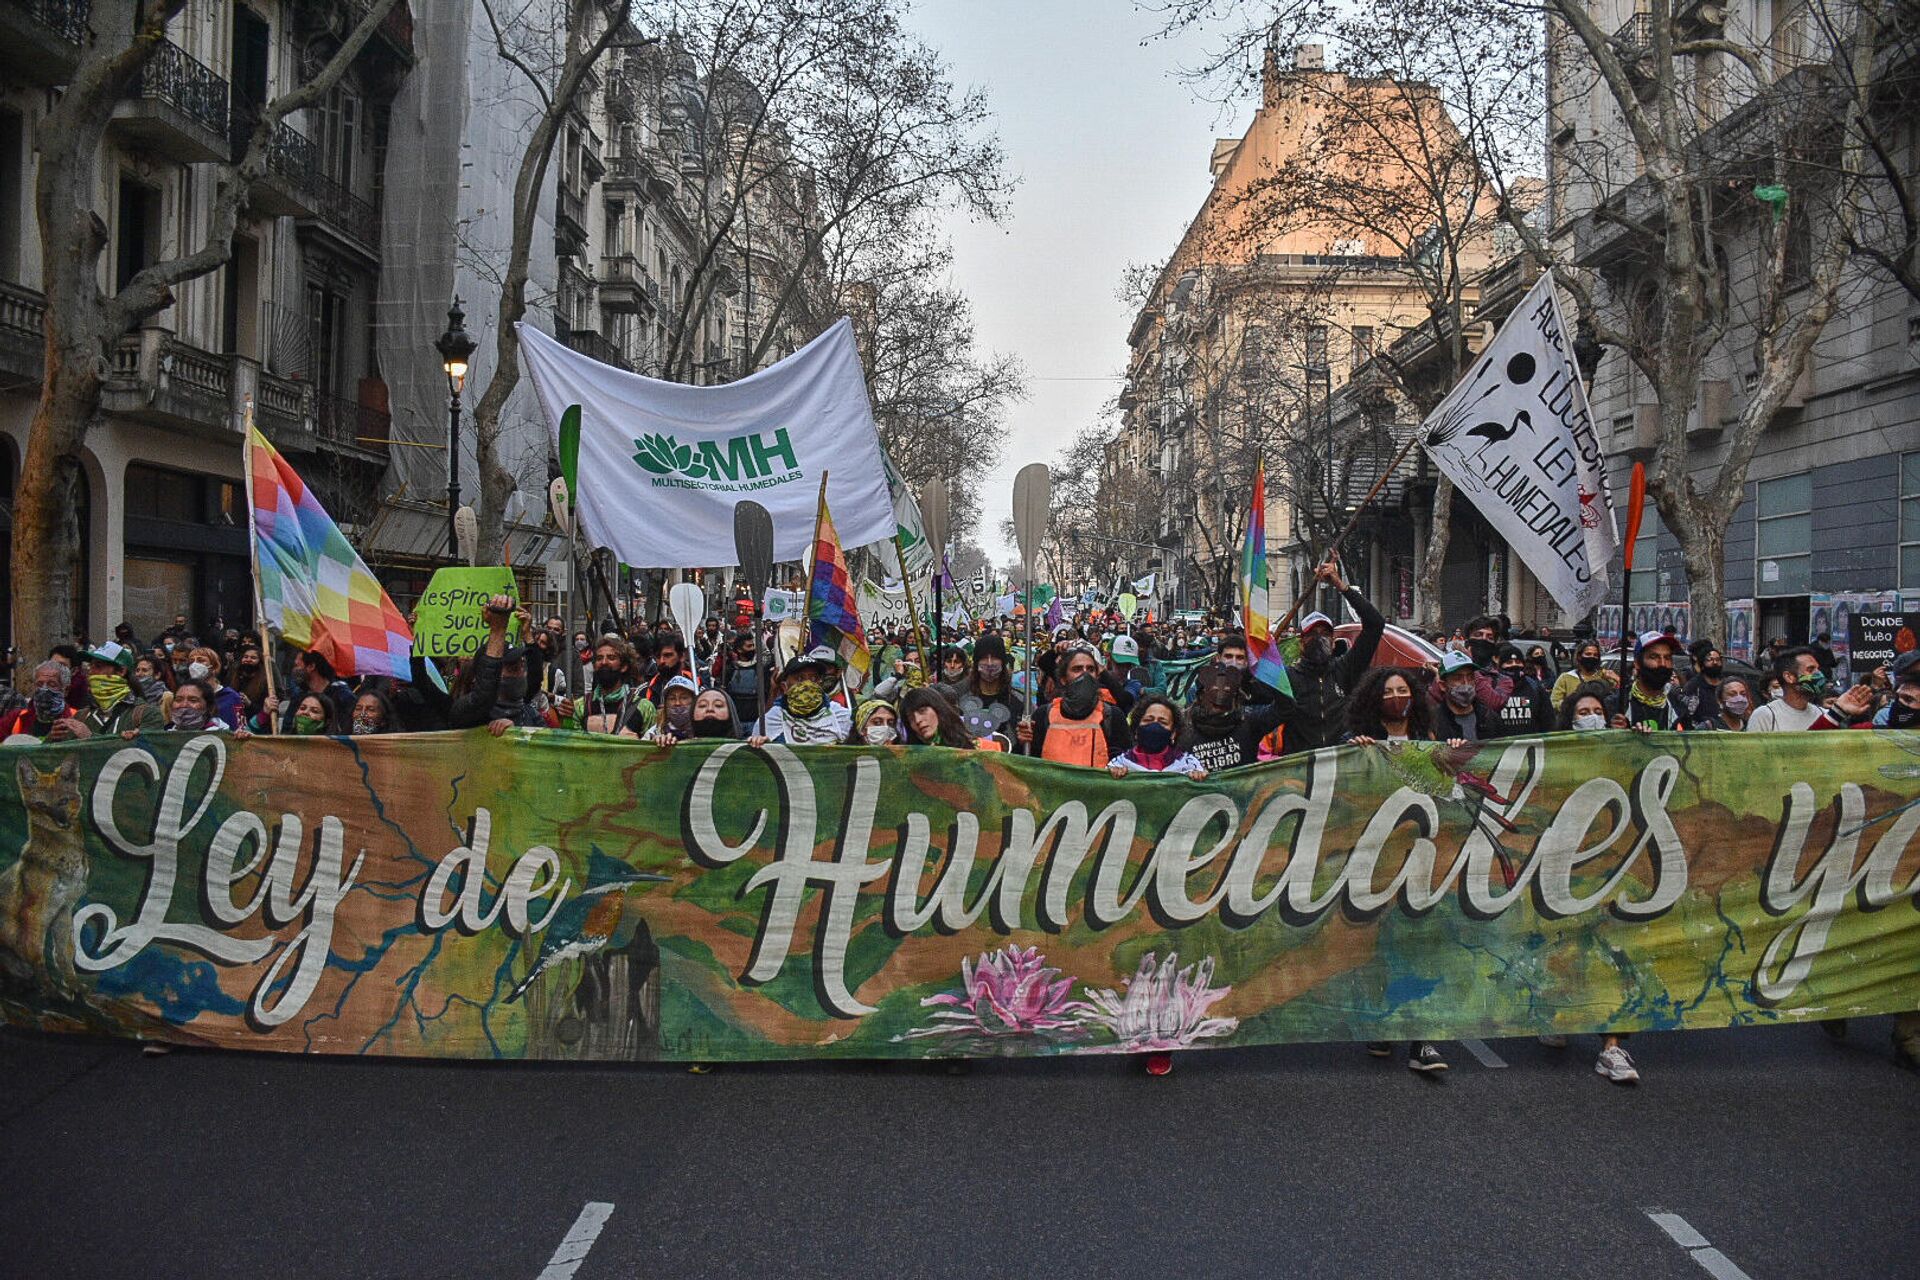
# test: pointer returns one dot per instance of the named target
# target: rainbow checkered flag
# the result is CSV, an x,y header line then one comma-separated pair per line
x,y
1263,652
833,618
315,590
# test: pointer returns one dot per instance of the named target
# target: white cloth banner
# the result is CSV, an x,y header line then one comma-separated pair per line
x,y
778,605
1517,438
883,610
662,464
1144,586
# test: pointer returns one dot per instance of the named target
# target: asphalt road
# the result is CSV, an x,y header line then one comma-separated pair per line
x,y
1779,1155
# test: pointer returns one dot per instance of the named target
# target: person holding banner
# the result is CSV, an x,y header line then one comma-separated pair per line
x,y
1156,742
675,723
614,701
932,721
805,712
875,724
1647,703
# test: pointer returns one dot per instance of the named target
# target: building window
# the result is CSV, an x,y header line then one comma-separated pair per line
x,y
1362,344
339,134
1784,539
1910,520
1646,586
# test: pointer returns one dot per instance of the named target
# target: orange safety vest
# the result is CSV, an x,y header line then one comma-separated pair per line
x,y
1082,742
988,744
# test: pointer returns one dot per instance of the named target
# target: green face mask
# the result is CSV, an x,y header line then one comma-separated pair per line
x,y
308,724
1814,684
107,690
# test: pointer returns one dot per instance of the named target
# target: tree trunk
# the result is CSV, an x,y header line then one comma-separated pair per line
x,y
1439,533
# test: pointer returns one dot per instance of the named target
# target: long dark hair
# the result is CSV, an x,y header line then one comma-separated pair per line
x,y
1363,705
953,731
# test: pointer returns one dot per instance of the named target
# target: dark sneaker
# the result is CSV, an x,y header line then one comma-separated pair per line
x,y
1380,1048
1424,1057
1616,1064
1159,1064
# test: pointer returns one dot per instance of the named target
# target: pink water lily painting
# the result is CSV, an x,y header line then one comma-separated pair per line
x,y
1011,994
1163,1007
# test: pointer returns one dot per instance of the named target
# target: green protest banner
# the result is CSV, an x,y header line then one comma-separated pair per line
x,y
450,619
553,895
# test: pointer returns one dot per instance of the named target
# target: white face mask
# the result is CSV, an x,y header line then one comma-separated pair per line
x,y
1592,720
198,670
880,735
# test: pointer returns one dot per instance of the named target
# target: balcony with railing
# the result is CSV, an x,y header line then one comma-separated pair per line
x,y
570,221
624,172
175,106
350,221
595,346
288,189
623,284
23,345
348,423
40,39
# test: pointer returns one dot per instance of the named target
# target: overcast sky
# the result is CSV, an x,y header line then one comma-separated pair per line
x,y
1111,150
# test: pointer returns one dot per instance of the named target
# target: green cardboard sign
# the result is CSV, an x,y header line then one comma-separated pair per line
x,y
450,620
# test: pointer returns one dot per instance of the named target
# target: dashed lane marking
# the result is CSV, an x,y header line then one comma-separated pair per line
x,y
1485,1056
1717,1264
579,1240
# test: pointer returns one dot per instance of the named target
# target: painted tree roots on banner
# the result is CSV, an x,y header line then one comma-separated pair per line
x,y
551,895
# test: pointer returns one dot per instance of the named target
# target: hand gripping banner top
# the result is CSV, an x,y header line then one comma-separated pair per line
x,y
1516,437
662,464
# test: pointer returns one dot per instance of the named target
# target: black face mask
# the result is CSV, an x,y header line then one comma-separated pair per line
x,y
1317,650
1516,673
711,729
1656,678
1712,672
1588,662
1080,697
1900,716
1482,651
608,677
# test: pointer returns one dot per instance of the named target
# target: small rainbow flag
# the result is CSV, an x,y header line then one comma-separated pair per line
x,y
1263,652
833,617
315,590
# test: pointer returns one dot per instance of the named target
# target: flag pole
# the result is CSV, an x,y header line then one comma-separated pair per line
x,y
1333,548
253,558
913,610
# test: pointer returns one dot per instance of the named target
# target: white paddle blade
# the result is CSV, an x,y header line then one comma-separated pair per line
x,y
1032,491
562,509
466,532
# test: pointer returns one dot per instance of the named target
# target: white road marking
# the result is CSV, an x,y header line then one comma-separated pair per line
x,y
580,1237
1487,1057
1717,1264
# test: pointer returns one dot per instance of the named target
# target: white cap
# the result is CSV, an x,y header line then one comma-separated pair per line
x,y
1126,649
1315,619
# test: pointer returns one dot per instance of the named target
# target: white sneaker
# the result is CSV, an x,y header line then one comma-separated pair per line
x,y
1616,1064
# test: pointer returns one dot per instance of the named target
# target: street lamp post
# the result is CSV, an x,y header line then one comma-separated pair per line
x,y
455,348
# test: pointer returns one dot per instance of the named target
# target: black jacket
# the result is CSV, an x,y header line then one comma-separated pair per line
x,y
477,706
1265,711
1320,689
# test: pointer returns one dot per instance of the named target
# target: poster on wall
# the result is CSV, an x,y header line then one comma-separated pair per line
x,y
1739,641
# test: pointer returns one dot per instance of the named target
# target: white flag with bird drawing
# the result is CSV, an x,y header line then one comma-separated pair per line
x,y
1517,438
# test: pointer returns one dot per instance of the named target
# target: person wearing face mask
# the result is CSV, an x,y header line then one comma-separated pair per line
x,y
1527,709
1156,742
1650,702
313,673
1323,677
193,711
955,667
495,688
875,724
229,706
715,716
313,716
46,707
1733,703
111,708
1700,695
1903,710
1585,708
1804,689
1230,715
250,678
614,702
1457,710
989,697
805,712
675,723
372,713
1084,725
147,683
739,675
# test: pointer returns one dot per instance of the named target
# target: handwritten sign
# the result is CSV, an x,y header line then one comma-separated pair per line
x,y
450,620
1876,639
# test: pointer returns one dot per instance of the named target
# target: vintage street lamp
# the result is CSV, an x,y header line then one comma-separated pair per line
x,y
455,348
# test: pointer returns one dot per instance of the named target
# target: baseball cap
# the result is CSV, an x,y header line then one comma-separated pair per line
x,y
1651,638
819,657
1126,649
118,654
1453,661
1315,619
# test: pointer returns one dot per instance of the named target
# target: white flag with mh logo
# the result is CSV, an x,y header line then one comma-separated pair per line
x,y
1516,437
662,464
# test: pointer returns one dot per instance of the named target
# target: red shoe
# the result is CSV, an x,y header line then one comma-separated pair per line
x,y
1159,1064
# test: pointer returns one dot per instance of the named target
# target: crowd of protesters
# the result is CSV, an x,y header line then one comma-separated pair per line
x,y
1177,698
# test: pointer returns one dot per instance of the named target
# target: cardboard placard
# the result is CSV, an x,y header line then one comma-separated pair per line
x,y
1876,639
450,619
